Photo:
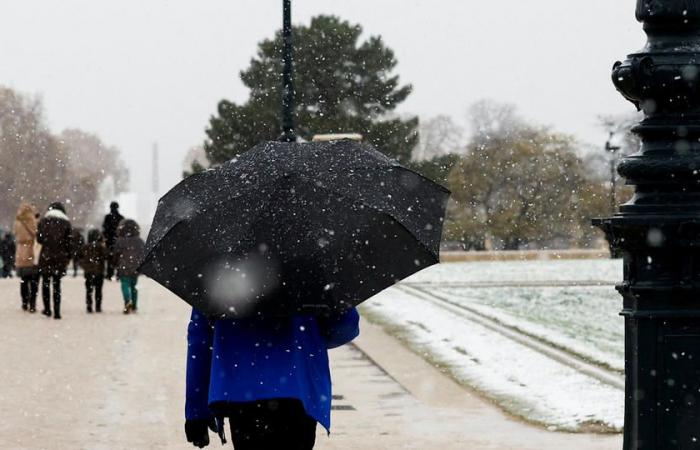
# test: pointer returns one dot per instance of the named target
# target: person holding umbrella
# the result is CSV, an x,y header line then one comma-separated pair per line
x,y
273,250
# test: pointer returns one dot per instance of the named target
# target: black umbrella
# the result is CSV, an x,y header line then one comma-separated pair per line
x,y
288,228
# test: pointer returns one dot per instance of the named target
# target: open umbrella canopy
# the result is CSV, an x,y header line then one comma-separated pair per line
x,y
290,228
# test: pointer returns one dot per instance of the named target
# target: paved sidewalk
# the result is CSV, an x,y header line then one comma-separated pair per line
x,y
114,382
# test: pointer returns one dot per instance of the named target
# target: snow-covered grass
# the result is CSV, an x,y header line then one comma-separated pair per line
x,y
582,319
594,270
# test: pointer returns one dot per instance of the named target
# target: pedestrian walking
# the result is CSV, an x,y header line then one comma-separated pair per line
x,y
54,235
77,243
109,231
7,253
27,255
93,258
128,253
273,274
269,376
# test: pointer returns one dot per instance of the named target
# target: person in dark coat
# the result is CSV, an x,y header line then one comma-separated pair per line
x,y
93,258
77,243
269,376
128,252
109,231
54,235
3,255
7,253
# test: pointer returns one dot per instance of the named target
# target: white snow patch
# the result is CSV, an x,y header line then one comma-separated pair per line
x,y
520,379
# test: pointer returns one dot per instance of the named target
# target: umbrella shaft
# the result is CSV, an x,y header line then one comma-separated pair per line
x,y
288,134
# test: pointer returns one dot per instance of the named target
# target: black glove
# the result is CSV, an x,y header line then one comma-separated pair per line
x,y
197,433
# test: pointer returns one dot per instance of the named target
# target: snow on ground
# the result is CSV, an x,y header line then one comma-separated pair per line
x,y
583,319
605,271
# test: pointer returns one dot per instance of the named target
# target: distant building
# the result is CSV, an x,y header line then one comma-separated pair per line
x,y
337,137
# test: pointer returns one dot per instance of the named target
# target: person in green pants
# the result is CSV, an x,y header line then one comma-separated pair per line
x,y
128,250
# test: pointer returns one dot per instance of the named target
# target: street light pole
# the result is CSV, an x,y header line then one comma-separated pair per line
x,y
612,149
288,133
658,231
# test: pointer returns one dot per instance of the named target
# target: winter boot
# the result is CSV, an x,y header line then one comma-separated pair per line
x,y
89,308
56,309
25,306
47,308
98,307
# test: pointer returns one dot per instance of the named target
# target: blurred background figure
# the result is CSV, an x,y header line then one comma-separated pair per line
x,y
27,255
128,250
109,231
77,243
54,235
93,258
7,253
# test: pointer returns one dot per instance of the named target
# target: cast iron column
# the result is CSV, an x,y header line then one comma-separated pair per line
x,y
658,231
288,134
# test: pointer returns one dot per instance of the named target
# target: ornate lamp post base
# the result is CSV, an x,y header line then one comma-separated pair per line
x,y
658,231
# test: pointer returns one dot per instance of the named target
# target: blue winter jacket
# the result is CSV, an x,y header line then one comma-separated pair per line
x,y
256,359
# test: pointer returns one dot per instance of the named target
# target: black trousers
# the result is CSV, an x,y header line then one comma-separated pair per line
x,y
28,288
46,292
93,282
110,260
271,424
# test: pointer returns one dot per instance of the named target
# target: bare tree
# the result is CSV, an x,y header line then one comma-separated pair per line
x,y
490,119
521,186
39,167
90,163
439,136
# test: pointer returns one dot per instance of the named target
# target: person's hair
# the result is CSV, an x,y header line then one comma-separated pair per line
x,y
114,206
58,206
94,235
25,211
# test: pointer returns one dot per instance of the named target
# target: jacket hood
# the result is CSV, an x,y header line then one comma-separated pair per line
x,y
56,214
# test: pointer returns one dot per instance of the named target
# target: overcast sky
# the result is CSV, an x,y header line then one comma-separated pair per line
x,y
136,71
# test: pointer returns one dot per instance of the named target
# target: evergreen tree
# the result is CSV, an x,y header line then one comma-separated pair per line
x,y
342,85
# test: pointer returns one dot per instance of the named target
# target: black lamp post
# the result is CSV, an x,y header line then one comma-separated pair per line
x,y
288,134
658,231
